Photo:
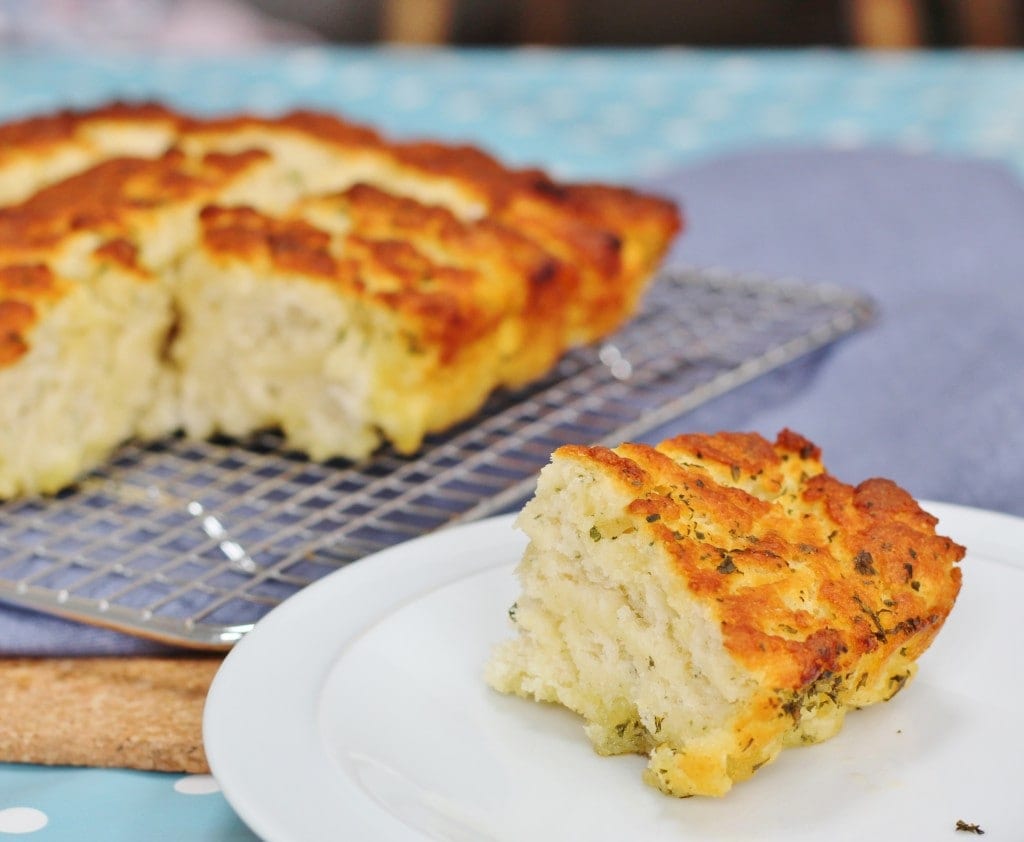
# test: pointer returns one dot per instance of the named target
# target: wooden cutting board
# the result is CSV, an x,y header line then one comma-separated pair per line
x,y
136,713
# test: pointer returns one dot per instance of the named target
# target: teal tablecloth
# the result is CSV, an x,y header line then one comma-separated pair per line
x,y
611,115
669,117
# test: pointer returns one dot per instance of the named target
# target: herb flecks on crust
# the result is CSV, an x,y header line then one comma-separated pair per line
x,y
740,599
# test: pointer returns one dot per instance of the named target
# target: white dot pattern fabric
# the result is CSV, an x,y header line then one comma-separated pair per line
x,y
607,115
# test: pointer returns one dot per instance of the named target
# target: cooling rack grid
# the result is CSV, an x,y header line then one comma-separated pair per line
x,y
191,542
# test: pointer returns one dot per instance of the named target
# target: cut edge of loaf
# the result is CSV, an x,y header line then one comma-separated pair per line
x,y
90,376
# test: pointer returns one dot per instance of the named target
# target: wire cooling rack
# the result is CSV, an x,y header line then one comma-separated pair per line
x,y
192,542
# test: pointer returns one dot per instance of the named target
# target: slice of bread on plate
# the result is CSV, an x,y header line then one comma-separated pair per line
x,y
712,600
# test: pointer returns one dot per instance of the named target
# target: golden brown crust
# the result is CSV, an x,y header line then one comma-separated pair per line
x,y
809,577
377,214
23,289
508,273
38,134
105,197
601,215
325,127
122,251
284,244
442,307
612,236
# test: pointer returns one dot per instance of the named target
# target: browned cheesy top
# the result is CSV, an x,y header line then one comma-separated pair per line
x,y
807,576
565,263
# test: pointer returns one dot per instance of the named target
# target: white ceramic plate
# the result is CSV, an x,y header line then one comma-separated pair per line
x,y
356,711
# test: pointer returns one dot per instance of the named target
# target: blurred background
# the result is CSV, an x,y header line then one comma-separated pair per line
x,y
219,24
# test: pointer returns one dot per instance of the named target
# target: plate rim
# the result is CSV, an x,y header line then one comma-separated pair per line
x,y
232,683
273,638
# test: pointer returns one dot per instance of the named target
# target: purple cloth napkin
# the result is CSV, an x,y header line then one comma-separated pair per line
x,y
932,395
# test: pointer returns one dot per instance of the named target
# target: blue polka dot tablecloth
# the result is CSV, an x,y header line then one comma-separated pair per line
x,y
897,174
608,115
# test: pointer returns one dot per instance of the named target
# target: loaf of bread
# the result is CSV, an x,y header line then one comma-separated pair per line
x,y
160,272
712,600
